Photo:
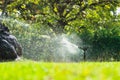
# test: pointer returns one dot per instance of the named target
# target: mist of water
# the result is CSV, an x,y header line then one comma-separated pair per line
x,y
62,48
67,51
72,48
14,21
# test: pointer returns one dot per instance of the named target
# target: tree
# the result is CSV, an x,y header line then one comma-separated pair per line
x,y
84,17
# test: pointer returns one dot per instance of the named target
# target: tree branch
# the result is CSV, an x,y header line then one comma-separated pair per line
x,y
4,7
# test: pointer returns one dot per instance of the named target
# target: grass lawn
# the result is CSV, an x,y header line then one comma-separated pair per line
x,y
31,70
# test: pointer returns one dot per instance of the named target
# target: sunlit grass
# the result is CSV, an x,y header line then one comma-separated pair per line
x,y
31,70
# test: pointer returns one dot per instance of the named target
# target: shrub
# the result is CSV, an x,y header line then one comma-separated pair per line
x,y
106,43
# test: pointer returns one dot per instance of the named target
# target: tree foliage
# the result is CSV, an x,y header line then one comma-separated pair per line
x,y
63,14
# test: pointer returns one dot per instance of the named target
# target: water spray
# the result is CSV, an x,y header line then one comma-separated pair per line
x,y
63,48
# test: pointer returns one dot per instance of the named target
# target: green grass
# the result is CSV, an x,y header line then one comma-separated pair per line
x,y
31,70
